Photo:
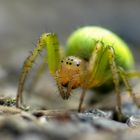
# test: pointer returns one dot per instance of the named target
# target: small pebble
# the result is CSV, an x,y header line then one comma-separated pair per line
x,y
134,121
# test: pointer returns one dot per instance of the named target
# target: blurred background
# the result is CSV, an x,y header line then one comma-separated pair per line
x,y
23,21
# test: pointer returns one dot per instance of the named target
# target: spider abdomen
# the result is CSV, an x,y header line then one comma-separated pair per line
x,y
82,42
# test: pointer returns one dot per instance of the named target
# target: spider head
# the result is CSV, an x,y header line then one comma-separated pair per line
x,y
69,75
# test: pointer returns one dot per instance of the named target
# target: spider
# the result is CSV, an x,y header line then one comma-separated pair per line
x,y
94,56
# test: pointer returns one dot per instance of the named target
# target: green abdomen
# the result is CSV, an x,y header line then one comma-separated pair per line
x,y
82,42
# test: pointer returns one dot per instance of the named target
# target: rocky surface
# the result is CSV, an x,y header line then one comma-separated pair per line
x,y
16,124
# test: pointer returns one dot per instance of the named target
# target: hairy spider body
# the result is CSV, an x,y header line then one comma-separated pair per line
x,y
94,57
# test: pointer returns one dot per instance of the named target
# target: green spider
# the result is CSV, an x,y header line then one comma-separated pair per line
x,y
94,57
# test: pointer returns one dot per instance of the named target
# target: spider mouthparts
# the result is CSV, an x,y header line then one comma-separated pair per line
x,y
65,94
66,97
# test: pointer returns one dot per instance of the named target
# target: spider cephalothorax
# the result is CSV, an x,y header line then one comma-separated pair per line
x,y
69,75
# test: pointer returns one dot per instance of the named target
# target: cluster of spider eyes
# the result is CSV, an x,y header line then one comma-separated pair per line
x,y
69,62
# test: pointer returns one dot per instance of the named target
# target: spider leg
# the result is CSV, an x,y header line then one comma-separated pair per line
x,y
60,87
48,41
116,79
28,63
81,99
128,86
133,74
40,71
91,71
37,76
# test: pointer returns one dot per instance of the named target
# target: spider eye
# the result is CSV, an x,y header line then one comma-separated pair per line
x,y
77,65
62,61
